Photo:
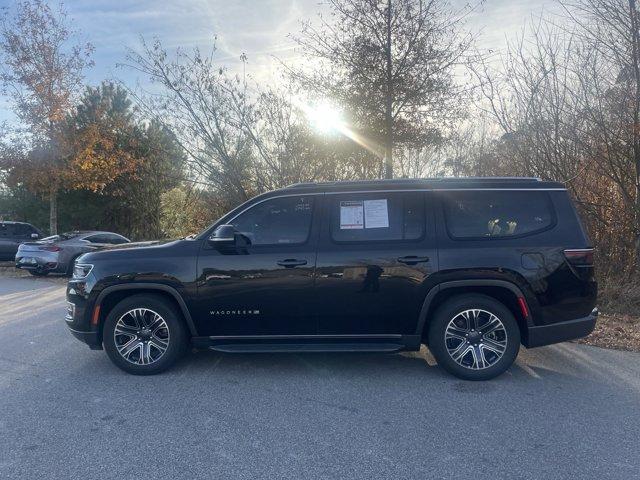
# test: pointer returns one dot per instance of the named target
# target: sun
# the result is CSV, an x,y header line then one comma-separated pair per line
x,y
325,118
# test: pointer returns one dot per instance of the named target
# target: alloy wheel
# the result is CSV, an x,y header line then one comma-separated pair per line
x,y
476,339
141,336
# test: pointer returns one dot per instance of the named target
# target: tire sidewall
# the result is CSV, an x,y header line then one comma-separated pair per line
x,y
177,334
448,311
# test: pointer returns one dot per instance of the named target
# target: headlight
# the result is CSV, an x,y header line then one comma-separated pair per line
x,y
81,270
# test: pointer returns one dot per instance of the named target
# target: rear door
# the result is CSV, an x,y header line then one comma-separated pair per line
x,y
375,253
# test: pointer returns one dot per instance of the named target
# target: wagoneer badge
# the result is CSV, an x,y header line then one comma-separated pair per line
x,y
234,312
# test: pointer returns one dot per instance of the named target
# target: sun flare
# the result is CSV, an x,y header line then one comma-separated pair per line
x,y
325,118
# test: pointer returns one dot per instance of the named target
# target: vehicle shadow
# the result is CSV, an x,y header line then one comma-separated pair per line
x,y
398,368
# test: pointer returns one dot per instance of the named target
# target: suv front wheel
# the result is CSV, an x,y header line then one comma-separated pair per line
x,y
474,337
144,334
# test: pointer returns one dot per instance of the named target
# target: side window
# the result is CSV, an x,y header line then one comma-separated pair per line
x,y
116,239
494,214
4,230
377,217
99,238
279,221
21,230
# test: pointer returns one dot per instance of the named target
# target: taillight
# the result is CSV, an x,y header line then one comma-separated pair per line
x,y
51,248
580,257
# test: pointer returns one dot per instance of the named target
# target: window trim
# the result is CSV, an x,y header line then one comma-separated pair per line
x,y
207,232
551,226
271,245
329,219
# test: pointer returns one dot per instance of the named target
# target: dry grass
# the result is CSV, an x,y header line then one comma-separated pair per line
x,y
621,332
8,269
619,323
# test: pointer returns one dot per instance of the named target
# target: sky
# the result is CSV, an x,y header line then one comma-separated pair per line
x,y
258,28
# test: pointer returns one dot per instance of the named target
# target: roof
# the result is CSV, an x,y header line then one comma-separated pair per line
x,y
443,183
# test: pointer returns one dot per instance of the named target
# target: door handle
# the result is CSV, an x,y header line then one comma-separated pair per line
x,y
291,262
413,260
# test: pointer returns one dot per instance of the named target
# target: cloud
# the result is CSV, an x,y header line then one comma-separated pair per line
x,y
258,28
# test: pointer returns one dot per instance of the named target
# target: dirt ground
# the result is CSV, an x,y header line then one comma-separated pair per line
x,y
617,331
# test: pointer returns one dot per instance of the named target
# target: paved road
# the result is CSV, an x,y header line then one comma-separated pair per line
x,y
567,411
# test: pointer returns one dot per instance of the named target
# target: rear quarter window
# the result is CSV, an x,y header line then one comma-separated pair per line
x,y
497,214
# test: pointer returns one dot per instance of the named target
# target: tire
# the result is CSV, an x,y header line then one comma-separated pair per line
x,y
466,352
142,337
38,273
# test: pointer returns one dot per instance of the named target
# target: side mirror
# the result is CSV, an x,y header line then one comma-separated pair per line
x,y
35,236
226,239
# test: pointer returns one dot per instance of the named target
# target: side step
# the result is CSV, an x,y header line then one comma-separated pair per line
x,y
307,347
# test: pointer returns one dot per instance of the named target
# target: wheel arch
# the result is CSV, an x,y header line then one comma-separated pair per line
x,y
505,292
111,296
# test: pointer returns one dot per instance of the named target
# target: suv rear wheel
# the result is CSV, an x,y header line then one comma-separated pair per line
x,y
144,335
474,337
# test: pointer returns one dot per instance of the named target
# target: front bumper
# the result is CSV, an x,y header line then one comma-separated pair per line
x,y
537,336
90,338
79,314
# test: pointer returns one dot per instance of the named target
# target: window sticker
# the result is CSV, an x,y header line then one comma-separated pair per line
x,y
351,215
376,214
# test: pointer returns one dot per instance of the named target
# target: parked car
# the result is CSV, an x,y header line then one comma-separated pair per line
x,y
470,267
13,234
57,253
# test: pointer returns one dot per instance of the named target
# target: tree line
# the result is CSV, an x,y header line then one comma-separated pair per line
x,y
418,96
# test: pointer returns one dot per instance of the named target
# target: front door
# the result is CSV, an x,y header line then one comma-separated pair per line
x,y
374,256
267,289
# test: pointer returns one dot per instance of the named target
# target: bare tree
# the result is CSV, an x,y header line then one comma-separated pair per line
x,y
566,97
42,72
207,107
390,64
610,32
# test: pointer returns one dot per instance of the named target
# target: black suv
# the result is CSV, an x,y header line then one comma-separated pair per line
x,y
470,267
12,234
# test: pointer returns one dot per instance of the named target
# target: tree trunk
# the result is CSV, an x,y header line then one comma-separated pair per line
x,y
635,51
388,147
53,212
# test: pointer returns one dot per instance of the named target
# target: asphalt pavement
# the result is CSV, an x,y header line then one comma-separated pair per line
x,y
564,411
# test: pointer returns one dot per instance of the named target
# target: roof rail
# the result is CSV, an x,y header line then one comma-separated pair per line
x,y
484,179
416,181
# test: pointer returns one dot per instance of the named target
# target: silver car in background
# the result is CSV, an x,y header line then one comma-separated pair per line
x,y
57,253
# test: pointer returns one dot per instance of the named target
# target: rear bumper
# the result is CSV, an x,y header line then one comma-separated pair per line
x,y
43,261
561,331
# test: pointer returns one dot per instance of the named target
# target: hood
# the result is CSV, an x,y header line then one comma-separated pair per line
x,y
155,248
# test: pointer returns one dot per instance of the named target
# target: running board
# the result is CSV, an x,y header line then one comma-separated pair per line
x,y
307,347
